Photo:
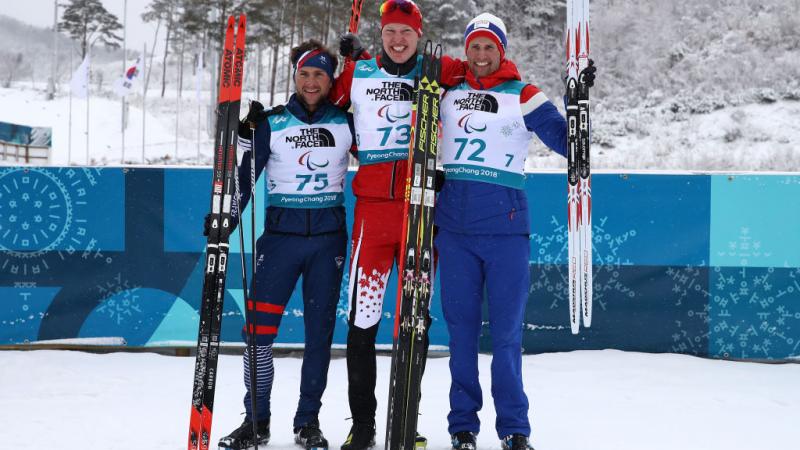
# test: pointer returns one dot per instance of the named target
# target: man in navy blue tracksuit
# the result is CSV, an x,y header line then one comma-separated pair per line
x,y
482,215
303,147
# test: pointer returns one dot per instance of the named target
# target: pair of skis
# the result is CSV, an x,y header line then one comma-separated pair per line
x,y
217,247
579,197
409,348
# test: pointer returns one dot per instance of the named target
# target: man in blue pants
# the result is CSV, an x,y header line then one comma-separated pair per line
x,y
303,148
482,215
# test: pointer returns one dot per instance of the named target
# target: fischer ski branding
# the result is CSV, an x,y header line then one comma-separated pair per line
x,y
230,90
579,190
416,264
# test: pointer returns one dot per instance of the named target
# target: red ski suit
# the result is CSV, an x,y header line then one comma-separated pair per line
x,y
377,225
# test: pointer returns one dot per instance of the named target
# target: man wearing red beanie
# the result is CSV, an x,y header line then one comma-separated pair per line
x,y
380,91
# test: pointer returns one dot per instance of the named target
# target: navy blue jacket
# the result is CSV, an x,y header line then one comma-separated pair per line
x,y
297,221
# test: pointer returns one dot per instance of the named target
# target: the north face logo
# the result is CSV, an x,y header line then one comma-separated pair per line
x,y
312,137
477,102
391,91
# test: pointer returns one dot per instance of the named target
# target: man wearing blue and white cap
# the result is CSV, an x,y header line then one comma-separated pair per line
x,y
302,146
482,215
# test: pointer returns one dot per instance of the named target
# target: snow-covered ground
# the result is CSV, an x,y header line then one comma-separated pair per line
x,y
26,105
747,137
598,400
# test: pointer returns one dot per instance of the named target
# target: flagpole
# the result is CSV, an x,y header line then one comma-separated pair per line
x,y
88,94
69,145
144,96
146,75
177,119
54,67
124,64
197,82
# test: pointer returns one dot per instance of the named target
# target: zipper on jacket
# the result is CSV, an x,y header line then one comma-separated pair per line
x,y
391,184
308,222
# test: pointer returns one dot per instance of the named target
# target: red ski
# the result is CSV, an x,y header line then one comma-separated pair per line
x,y
222,188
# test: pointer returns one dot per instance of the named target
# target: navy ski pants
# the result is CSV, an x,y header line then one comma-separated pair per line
x,y
282,259
470,265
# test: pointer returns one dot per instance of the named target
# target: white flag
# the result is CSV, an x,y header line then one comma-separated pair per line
x,y
124,84
79,84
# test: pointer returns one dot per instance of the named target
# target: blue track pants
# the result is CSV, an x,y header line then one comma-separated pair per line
x,y
282,259
470,265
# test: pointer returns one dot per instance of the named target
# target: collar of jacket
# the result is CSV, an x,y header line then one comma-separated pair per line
x,y
392,68
296,106
506,72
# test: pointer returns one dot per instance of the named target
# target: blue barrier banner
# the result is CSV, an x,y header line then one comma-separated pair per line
x,y
707,265
25,135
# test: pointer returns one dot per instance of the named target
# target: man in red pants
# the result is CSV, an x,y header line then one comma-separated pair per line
x,y
380,91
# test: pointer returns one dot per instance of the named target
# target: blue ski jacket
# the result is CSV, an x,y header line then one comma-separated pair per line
x,y
476,207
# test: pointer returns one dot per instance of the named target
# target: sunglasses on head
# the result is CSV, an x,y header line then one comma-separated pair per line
x,y
391,5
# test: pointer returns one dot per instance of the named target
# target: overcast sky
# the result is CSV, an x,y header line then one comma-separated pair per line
x,y
40,13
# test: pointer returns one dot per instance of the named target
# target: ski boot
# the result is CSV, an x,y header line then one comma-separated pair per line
x,y
361,437
516,441
242,437
463,440
310,436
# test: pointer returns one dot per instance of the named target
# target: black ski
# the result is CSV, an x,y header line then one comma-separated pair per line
x,y
205,373
416,271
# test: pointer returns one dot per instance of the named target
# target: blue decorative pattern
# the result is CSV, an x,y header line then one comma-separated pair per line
x,y
694,264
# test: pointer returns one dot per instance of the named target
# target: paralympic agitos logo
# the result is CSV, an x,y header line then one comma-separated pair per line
x,y
477,102
385,113
312,137
305,160
463,122
391,91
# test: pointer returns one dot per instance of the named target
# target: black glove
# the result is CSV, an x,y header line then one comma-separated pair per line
x,y
587,75
350,46
438,182
256,115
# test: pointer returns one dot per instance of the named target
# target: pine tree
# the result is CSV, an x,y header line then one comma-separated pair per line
x,y
535,32
262,32
12,66
165,11
88,22
444,22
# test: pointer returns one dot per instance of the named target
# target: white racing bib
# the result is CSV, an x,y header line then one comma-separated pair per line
x,y
382,112
308,163
484,137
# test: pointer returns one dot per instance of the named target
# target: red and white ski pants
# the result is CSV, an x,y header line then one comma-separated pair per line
x,y
377,230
